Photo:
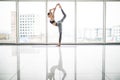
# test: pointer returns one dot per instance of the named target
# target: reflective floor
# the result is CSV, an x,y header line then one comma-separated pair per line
x,y
68,62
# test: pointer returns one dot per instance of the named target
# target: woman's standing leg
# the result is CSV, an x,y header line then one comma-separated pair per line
x,y
59,24
60,38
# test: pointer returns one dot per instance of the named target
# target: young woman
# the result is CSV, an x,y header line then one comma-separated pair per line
x,y
58,23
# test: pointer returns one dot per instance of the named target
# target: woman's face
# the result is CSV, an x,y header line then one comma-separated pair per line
x,y
50,15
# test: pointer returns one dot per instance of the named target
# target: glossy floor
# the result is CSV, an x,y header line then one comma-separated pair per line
x,y
68,62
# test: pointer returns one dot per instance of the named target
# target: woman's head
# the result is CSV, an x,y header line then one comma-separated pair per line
x,y
49,14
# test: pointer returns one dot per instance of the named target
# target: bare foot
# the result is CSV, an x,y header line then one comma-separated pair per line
x,y
58,44
59,5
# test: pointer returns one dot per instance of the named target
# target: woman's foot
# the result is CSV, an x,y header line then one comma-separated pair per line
x,y
59,5
59,44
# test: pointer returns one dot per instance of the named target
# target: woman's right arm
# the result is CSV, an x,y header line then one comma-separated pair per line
x,y
55,8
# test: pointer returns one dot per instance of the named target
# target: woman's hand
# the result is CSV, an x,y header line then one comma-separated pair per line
x,y
52,9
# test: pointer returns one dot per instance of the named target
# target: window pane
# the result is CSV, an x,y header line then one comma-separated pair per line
x,y
89,22
89,0
7,22
113,21
68,24
32,19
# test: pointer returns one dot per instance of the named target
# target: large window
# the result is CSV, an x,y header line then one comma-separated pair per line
x,y
32,19
7,21
113,21
68,26
89,22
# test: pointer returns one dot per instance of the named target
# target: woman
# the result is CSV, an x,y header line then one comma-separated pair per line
x,y
58,23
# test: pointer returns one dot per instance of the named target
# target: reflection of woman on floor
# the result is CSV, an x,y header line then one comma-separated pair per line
x,y
51,75
58,23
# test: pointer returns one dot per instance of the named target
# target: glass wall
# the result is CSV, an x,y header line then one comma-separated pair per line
x,y
32,19
7,21
113,21
89,22
68,25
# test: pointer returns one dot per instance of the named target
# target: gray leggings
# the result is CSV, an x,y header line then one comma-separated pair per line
x,y
59,24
